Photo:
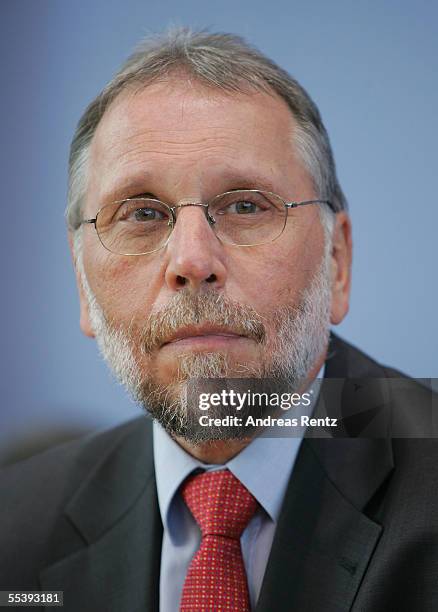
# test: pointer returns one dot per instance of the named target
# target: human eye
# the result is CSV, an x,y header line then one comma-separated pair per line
x,y
241,204
243,207
142,211
147,214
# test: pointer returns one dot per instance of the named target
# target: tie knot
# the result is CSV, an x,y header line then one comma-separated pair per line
x,y
219,502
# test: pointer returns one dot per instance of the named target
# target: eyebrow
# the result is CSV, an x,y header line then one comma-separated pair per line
x,y
248,180
127,188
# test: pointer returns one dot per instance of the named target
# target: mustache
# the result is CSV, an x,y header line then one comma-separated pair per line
x,y
210,307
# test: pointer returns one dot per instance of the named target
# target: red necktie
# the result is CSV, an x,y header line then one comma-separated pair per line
x,y
216,578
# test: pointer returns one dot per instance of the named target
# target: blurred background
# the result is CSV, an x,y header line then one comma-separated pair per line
x,y
372,69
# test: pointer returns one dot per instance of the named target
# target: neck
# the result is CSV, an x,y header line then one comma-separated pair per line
x,y
216,451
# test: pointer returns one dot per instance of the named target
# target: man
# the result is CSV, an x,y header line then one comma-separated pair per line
x,y
211,240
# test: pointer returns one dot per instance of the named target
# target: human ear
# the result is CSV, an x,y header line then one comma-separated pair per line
x,y
84,319
341,258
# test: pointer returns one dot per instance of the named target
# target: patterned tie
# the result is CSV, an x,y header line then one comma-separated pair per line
x,y
216,578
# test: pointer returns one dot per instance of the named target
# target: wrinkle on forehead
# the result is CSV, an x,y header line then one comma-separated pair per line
x,y
185,108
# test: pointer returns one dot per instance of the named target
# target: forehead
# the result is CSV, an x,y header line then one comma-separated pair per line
x,y
180,133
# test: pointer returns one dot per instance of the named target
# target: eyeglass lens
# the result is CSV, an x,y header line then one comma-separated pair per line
x,y
141,225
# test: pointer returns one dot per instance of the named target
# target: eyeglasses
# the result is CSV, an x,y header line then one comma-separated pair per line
x,y
244,218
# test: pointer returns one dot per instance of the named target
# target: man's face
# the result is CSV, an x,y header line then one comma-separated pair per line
x,y
181,142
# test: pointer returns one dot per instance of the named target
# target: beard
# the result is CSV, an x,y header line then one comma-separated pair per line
x,y
297,335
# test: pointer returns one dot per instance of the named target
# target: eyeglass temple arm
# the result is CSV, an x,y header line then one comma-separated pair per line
x,y
297,204
93,221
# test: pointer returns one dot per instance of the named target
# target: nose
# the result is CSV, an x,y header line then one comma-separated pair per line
x,y
195,257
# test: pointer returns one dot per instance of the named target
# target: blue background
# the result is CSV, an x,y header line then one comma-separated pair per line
x,y
372,69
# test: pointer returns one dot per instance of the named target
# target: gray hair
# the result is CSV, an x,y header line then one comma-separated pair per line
x,y
222,61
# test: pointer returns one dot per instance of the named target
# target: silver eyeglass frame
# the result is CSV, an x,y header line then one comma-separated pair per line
x,y
210,219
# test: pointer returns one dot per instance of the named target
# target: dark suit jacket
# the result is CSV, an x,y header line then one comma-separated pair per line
x,y
358,528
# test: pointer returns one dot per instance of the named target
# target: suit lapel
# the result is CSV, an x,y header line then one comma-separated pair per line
x,y
324,540
115,515
322,545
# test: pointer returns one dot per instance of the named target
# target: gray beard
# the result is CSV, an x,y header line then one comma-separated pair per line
x,y
299,336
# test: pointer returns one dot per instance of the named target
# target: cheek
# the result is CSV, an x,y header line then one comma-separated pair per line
x,y
125,287
269,281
